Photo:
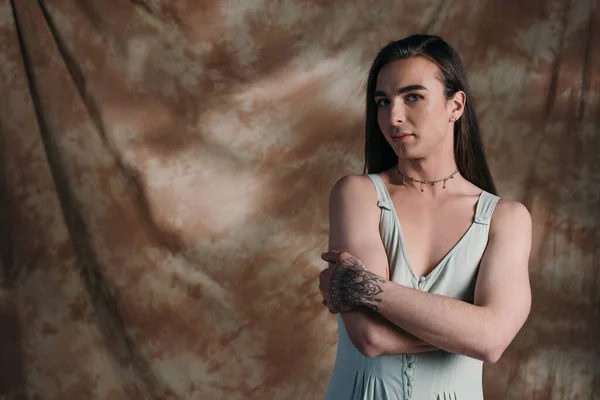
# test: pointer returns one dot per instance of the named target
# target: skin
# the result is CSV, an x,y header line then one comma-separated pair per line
x,y
422,112
382,317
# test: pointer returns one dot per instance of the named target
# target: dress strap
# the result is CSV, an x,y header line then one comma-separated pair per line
x,y
383,197
485,208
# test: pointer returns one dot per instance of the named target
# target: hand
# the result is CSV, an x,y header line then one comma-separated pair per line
x,y
346,284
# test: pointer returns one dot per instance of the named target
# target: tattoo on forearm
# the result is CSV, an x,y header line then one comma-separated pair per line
x,y
351,285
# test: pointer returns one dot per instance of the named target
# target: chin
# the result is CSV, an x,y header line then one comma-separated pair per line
x,y
407,153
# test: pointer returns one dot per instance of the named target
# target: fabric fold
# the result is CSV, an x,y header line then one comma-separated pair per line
x,y
367,386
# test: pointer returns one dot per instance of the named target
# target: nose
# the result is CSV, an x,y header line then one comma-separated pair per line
x,y
397,113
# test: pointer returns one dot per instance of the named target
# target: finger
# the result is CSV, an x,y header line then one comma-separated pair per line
x,y
331,257
333,310
331,253
336,257
324,278
331,307
323,285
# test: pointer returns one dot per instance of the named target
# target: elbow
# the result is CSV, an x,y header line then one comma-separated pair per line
x,y
497,342
492,354
493,349
364,333
367,348
365,344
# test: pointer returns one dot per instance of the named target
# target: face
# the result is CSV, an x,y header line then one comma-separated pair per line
x,y
412,112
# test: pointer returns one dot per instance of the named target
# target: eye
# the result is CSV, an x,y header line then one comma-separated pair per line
x,y
382,102
411,98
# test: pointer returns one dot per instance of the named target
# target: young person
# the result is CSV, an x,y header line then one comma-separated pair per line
x,y
428,267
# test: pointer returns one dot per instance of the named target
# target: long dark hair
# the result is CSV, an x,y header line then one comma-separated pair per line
x,y
468,147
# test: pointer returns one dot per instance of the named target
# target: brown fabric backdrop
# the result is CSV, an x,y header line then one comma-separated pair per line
x,y
165,174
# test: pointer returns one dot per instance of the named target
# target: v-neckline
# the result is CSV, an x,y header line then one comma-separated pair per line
x,y
448,254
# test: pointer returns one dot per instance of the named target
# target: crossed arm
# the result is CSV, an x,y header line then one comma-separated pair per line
x,y
396,319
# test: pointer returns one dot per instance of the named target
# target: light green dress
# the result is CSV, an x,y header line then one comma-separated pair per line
x,y
436,375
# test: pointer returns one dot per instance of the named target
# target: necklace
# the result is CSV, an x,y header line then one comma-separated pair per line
x,y
407,179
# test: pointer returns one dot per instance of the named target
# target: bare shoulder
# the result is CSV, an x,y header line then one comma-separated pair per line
x,y
510,216
354,187
353,199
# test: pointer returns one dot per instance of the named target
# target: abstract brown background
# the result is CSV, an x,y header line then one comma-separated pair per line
x,y
165,173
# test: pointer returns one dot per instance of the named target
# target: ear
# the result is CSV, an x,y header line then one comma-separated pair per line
x,y
457,105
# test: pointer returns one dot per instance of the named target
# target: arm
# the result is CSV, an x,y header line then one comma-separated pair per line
x,y
481,330
354,227
373,335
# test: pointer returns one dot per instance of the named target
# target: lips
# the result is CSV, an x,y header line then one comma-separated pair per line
x,y
402,136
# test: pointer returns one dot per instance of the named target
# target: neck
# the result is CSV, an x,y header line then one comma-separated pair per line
x,y
427,170
427,174
438,165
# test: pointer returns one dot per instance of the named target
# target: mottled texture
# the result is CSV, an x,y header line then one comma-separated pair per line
x,y
165,170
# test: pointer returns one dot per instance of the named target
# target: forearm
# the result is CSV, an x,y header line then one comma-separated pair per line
x,y
373,335
483,330
450,324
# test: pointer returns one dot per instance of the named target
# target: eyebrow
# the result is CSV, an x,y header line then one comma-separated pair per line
x,y
404,89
